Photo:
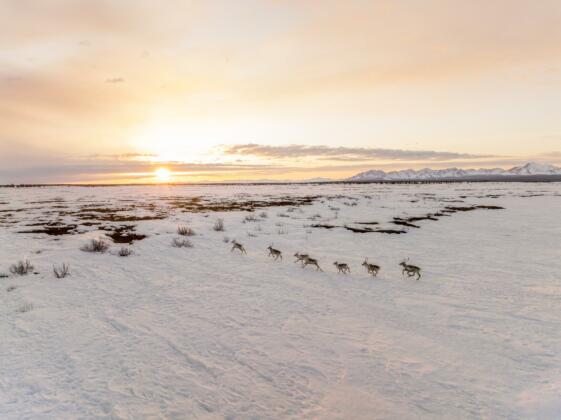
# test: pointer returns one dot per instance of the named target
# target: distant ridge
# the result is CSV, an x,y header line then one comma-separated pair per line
x,y
530,172
529,169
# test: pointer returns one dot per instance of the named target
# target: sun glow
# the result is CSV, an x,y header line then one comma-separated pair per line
x,y
162,175
168,140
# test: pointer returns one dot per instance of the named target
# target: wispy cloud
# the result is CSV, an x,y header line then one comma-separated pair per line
x,y
123,156
117,169
128,168
550,155
344,153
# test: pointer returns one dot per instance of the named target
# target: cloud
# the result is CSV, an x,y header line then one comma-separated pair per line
x,y
343,153
129,168
120,168
552,155
123,156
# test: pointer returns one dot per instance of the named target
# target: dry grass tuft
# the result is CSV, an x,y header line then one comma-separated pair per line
x,y
181,243
250,218
124,252
26,307
219,225
96,245
185,231
21,268
62,271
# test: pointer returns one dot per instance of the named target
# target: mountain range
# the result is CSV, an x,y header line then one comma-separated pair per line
x,y
530,168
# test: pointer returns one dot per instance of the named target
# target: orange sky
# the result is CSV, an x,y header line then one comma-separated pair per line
x,y
108,91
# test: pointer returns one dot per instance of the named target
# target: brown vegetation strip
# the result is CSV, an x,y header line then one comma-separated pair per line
x,y
111,217
123,234
399,222
197,205
54,230
454,209
324,226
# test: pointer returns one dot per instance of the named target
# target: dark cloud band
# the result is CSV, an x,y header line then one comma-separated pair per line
x,y
344,153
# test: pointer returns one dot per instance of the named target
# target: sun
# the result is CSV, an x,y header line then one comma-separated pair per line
x,y
162,174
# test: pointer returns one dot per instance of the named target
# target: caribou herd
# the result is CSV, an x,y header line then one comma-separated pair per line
x,y
342,268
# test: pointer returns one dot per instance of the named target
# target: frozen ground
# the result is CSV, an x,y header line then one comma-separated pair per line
x,y
203,332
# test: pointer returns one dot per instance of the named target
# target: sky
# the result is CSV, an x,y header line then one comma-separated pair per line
x,y
107,91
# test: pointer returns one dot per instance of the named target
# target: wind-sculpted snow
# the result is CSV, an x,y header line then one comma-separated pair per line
x,y
204,331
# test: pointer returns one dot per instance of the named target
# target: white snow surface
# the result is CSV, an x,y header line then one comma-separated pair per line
x,y
204,332
530,168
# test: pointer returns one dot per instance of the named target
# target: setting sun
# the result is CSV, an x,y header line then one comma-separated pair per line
x,y
162,175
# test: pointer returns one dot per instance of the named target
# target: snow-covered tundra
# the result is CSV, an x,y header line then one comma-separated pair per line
x,y
167,320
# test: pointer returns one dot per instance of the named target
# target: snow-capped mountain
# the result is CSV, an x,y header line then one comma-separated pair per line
x,y
533,168
530,168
